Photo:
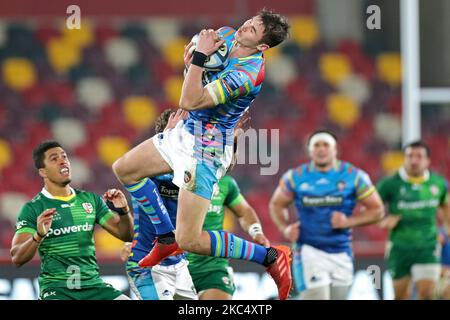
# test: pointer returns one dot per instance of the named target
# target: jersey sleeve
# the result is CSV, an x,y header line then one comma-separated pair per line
x,y
229,86
287,183
363,185
234,196
26,221
102,212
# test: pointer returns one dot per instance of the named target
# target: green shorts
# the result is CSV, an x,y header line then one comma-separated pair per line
x,y
221,279
99,292
400,259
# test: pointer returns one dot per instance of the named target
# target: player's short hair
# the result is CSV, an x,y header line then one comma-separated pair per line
x,y
276,27
418,144
39,152
161,121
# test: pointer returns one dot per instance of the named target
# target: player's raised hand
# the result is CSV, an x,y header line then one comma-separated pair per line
x,y
292,232
390,222
117,198
208,42
339,220
44,221
175,117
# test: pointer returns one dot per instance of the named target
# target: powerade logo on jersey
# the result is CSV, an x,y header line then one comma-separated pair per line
x,y
417,205
322,201
70,229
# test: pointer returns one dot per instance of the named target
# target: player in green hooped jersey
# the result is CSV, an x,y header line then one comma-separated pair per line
x,y
59,223
213,276
413,195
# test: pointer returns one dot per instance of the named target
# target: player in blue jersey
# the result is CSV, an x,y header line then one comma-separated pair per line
x,y
325,192
199,149
170,279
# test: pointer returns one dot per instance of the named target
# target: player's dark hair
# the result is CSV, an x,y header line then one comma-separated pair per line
x,y
276,27
39,152
321,131
161,121
418,144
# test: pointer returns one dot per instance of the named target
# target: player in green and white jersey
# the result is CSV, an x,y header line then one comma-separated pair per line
x,y
213,276
59,223
414,195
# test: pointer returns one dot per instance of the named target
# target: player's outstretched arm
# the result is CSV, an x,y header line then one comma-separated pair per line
x,y
278,208
249,221
121,225
24,245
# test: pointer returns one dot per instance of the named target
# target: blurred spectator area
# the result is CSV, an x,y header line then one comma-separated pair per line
x,y
98,90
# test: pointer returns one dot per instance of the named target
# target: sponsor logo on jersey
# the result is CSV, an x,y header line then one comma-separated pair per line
x,y
49,294
322,201
417,205
322,181
187,176
226,281
434,190
67,205
70,229
168,192
305,186
88,207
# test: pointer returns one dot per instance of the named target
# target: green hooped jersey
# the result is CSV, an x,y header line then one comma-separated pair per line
x,y
228,195
67,252
417,203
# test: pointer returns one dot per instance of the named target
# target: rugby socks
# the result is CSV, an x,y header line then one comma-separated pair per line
x,y
147,196
227,245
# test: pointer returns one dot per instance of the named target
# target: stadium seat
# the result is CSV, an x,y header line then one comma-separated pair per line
x,y
334,67
172,89
389,68
110,148
342,110
63,54
391,161
70,132
304,31
6,156
140,112
18,73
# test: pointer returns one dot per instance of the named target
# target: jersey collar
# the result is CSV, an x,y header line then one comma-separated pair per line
x,y
335,167
50,196
405,177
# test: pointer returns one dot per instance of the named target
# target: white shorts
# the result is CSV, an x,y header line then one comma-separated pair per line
x,y
315,268
192,170
163,282
425,271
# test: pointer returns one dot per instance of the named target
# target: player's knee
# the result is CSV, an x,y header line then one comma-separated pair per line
x,y
121,170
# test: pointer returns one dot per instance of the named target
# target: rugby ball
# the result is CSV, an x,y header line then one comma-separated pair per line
x,y
216,61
